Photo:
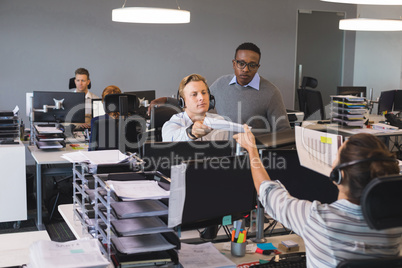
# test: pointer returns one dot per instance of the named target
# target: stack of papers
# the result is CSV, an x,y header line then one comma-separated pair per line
x,y
77,253
139,208
137,190
139,226
141,243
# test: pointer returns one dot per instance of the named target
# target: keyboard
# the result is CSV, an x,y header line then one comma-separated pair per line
x,y
297,259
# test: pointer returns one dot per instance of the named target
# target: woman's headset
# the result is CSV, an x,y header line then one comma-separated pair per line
x,y
182,103
336,174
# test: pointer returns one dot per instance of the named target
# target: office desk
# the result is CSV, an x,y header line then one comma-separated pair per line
x,y
275,240
14,247
67,213
43,157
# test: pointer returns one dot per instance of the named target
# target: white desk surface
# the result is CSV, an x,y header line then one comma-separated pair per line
x,y
14,247
66,212
53,156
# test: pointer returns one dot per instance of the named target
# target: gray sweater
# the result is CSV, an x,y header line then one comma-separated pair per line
x,y
260,109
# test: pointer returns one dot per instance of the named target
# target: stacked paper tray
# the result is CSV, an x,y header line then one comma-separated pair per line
x,y
348,110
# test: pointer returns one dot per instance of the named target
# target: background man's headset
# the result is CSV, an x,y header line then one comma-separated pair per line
x,y
336,174
182,104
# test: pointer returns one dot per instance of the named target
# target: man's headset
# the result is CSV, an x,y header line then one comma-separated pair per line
x,y
182,104
336,174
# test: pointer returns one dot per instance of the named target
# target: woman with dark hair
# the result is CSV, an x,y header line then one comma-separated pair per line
x,y
337,231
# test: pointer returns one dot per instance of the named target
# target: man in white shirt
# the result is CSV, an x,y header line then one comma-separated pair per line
x,y
81,82
189,125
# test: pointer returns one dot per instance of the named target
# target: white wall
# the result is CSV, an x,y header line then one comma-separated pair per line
x,y
43,41
378,55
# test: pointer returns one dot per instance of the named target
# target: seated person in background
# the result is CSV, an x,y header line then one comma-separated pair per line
x,y
188,125
108,90
81,82
332,232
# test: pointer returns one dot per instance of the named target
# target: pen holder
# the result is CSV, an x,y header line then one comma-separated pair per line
x,y
238,249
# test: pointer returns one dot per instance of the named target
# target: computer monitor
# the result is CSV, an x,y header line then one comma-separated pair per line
x,y
161,156
351,90
214,189
56,106
97,108
386,101
301,182
398,100
144,98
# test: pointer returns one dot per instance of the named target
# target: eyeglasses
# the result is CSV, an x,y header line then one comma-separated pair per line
x,y
251,66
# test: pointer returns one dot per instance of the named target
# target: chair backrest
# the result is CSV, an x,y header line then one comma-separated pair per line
x,y
71,84
159,115
386,101
380,203
310,101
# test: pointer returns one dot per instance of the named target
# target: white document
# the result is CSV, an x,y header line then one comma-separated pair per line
x,y
96,157
317,150
223,124
177,194
76,253
202,255
138,190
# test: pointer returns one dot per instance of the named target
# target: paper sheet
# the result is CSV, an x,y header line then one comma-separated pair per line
x,y
223,124
138,190
317,150
95,157
177,194
202,255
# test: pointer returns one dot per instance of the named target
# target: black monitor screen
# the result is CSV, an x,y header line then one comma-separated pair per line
x,y
398,100
71,107
216,188
386,101
144,99
301,182
354,91
161,156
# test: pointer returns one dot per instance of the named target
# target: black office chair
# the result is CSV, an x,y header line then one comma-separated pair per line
x,y
310,101
71,84
386,101
380,203
159,115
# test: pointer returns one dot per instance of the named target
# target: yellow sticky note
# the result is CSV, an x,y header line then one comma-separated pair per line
x,y
326,140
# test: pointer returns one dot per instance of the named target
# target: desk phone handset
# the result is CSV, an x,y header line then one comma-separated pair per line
x,y
394,120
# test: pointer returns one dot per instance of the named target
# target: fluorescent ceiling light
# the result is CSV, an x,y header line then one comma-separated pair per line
x,y
361,24
367,2
150,15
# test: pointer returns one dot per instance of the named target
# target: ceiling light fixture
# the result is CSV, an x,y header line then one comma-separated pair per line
x,y
150,15
361,24
367,2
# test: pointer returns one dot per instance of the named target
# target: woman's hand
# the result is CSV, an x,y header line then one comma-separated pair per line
x,y
246,139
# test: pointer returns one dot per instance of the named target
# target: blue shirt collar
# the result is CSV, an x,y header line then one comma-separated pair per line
x,y
254,83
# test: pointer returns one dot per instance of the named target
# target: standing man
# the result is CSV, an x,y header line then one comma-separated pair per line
x,y
248,98
245,97
81,82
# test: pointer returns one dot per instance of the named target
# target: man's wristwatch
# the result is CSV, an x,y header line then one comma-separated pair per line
x,y
189,130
